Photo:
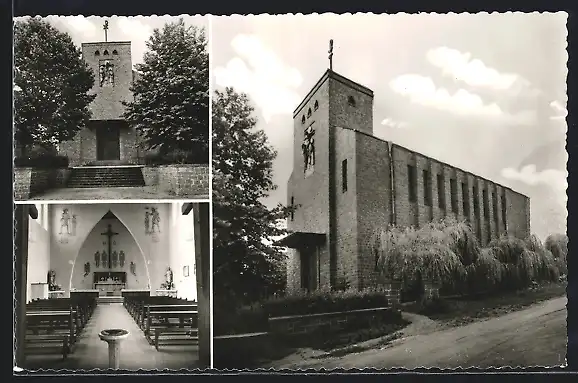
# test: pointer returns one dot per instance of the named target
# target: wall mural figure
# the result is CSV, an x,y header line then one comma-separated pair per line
x,y
121,258
133,268
97,259
308,149
106,73
73,225
114,257
155,220
103,258
86,268
147,221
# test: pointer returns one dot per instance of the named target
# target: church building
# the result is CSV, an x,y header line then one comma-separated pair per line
x,y
347,183
117,257
107,138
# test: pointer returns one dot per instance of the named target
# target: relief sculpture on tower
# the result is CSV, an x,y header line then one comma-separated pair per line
x,y
308,149
106,73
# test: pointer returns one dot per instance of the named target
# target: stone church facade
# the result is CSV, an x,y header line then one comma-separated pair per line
x,y
107,138
348,183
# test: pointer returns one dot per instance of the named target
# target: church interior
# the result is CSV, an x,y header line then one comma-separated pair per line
x,y
122,286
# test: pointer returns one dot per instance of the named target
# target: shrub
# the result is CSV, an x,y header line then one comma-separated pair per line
x,y
243,320
42,161
437,252
487,274
324,302
174,157
558,246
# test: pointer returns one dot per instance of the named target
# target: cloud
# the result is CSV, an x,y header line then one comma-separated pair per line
x,y
81,24
554,178
259,72
562,112
473,72
394,124
422,90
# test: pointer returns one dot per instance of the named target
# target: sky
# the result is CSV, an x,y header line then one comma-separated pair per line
x,y
483,92
135,29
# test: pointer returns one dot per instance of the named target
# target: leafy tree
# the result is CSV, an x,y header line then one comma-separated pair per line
x,y
246,266
171,92
51,84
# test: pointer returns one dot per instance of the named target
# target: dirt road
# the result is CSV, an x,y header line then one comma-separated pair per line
x,y
535,336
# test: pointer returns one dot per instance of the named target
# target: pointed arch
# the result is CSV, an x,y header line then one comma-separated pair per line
x,y
110,209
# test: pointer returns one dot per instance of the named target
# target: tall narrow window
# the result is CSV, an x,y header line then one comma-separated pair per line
x,y
427,193
495,209
344,175
412,183
441,192
465,199
476,201
485,201
454,194
292,208
504,209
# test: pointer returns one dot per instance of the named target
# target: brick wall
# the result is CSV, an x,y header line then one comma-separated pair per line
x,y
184,180
29,182
373,201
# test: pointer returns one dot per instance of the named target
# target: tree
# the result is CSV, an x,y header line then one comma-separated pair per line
x,y
246,265
171,92
51,84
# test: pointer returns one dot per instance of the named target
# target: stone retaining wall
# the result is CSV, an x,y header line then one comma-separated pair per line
x,y
29,182
297,325
184,180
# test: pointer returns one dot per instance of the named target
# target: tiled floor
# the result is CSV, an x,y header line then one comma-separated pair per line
x,y
86,194
135,353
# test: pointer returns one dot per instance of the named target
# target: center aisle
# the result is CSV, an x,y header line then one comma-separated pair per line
x,y
135,352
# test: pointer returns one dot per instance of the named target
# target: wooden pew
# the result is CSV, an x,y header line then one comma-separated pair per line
x,y
50,331
139,309
60,305
172,323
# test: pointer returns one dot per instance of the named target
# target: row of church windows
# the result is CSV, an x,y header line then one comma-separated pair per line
x,y
105,53
428,201
350,101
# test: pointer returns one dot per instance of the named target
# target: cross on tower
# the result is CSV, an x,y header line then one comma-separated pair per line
x,y
331,54
109,233
105,27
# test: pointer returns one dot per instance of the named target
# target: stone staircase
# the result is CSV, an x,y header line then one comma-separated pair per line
x,y
107,300
106,176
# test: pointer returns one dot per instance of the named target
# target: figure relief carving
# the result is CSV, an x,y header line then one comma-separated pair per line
x,y
152,222
106,73
121,258
114,257
104,258
308,149
97,259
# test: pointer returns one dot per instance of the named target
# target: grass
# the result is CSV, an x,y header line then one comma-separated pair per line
x,y
461,311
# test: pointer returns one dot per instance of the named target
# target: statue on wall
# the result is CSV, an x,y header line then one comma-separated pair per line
x,y
168,284
114,257
97,259
133,268
121,258
308,149
86,268
147,221
106,73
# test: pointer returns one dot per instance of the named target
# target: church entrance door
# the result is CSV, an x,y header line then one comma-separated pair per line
x,y
309,268
107,143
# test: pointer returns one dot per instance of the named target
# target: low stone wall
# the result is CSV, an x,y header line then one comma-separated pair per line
x,y
184,180
29,182
298,325
150,175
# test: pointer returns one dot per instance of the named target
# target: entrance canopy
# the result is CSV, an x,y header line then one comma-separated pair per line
x,y
299,239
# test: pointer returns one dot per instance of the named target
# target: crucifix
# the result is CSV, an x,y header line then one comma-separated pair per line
x,y
109,233
105,27
331,54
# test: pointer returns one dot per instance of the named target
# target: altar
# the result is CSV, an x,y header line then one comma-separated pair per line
x,y
109,283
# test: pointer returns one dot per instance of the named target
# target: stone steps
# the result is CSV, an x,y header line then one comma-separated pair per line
x,y
109,300
106,176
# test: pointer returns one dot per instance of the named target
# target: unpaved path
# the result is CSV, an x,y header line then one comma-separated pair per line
x,y
535,336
